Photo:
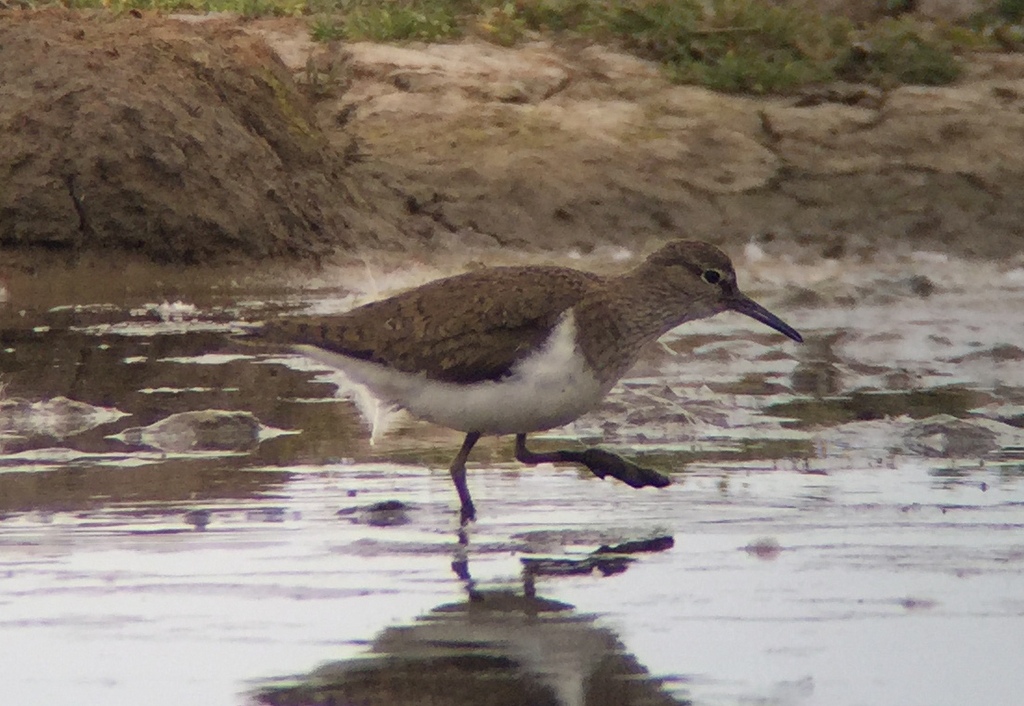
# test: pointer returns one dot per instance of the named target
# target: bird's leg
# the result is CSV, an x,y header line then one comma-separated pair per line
x,y
601,463
467,512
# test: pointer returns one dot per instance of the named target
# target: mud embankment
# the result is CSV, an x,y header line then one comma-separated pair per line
x,y
196,141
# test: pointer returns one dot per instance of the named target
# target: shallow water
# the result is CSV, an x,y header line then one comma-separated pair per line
x,y
828,539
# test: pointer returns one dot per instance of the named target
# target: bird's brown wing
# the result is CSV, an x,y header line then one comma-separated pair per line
x,y
468,328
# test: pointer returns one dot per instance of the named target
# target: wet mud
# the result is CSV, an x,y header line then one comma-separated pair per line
x,y
185,517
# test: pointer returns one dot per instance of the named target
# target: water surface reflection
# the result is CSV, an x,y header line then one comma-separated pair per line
x,y
183,516
498,646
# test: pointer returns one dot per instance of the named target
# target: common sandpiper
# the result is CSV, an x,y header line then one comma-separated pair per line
x,y
515,350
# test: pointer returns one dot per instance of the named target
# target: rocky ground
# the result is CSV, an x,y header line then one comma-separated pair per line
x,y
190,140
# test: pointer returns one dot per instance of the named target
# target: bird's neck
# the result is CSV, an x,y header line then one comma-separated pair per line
x,y
654,305
622,315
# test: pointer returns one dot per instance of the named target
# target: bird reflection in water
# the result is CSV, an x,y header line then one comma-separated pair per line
x,y
499,647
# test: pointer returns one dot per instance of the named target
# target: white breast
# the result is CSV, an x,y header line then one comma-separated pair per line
x,y
550,388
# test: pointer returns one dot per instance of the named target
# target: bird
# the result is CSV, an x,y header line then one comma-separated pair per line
x,y
523,349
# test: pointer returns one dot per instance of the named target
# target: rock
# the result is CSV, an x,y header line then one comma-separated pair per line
x,y
819,378
387,513
766,548
945,436
999,353
58,417
203,430
1011,414
199,519
938,436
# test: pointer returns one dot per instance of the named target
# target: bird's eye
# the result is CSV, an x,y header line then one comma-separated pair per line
x,y
711,276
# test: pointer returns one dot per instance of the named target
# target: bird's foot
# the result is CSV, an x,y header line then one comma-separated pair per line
x,y
601,463
604,463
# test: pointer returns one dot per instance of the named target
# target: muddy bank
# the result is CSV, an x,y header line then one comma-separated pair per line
x,y
191,141
562,146
176,142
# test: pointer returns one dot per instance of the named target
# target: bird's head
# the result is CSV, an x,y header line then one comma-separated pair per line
x,y
704,276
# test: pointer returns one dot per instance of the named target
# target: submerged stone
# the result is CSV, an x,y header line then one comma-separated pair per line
x,y
202,430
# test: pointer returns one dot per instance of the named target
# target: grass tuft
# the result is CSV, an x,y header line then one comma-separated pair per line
x,y
896,52
422,20
734,45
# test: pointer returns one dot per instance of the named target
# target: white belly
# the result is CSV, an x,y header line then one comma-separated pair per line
x,y
549,389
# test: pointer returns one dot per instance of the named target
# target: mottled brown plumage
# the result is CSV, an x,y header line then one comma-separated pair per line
x,y
463,329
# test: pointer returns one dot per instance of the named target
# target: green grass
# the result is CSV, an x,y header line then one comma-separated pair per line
x,y
422,20
896,53
747,46
737,45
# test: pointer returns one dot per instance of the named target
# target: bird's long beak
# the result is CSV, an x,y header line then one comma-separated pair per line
x,y
746,305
